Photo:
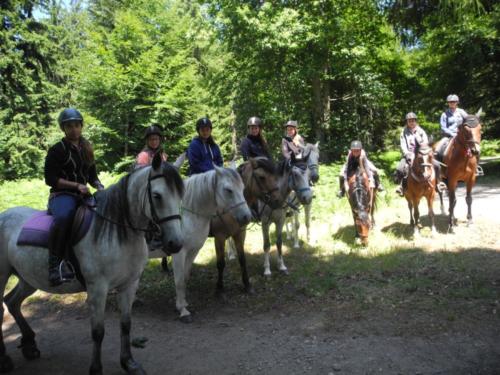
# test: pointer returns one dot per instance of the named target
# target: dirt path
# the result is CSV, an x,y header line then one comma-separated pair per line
x,y
300,338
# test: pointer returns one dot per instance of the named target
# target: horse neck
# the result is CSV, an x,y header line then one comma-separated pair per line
x,y
137,194
199,193
247,177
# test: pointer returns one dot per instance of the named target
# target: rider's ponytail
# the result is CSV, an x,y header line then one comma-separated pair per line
x,y
87,152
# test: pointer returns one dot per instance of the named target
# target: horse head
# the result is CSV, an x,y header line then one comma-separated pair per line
x,y
164,193
360,201
298,180
312,156
229,195
422,168
261,180
469,134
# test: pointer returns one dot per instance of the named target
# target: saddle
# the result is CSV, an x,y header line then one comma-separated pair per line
x,y
36,230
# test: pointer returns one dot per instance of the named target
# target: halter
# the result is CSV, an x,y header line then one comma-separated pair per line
x,y
421,178
291,178
265,194
467,143
154,225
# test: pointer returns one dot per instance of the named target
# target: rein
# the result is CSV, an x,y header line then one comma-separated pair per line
x,y
154,225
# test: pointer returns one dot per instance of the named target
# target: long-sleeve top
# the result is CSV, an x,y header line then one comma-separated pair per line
x,y
203,156
145,157
295,146
450,121
409,140
65,160
367,165
252,147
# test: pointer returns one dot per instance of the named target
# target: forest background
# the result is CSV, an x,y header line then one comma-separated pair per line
x,y
345,69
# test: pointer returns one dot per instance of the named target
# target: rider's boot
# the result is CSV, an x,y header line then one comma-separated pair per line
x,y
378,183
58,270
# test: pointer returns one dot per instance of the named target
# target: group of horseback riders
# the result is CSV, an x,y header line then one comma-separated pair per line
x,y
70,165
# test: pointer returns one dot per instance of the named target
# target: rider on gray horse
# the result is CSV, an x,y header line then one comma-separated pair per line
x,y
412,136
357,154
69,167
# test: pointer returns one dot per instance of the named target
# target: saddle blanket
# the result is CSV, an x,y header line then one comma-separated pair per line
x,y
35,231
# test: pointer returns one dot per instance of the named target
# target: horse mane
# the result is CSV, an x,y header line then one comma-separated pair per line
x,y
360,197
266,164
112,203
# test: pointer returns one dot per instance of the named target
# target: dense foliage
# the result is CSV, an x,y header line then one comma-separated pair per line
x,y
344,69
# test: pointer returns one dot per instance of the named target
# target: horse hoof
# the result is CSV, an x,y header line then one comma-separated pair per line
x,y
186,319
6,364
469,223
285,271
451,230
132,367
30,351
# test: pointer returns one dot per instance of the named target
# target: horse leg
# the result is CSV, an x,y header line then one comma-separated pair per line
x,y
125,300
279,244
307,213
14,301
178,264
267,248
295,228
430,201
6,364
410,207
221,263
468,200
97,292
453,201
416,216
239,239
441,204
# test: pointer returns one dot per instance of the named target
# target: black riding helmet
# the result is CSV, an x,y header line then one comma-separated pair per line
x,y
254,121
153,129
203,123
69,114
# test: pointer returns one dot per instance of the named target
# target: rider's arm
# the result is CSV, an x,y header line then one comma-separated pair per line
x,y
285,149
403,145
444,125
244,148
218,161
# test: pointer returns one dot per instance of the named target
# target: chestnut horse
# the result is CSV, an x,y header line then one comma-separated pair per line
x,y
362,200
421,183
460,163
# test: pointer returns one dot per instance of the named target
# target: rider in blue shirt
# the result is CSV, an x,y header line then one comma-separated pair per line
x,y
203,153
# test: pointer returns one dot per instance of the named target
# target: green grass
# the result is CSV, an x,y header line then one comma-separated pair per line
x,y
449,278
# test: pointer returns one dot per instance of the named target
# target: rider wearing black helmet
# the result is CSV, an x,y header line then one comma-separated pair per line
x,y
153,137
203,153
254,144
69,167
358,155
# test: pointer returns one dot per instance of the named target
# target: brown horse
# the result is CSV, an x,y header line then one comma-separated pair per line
x,y
421,183
261,182
460,160
362,199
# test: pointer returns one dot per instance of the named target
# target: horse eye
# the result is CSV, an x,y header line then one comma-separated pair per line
x,y
262,178
157,196
228,191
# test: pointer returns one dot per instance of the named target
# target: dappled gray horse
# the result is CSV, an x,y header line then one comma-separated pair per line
x,y
208,194
292,225
292,177
111,255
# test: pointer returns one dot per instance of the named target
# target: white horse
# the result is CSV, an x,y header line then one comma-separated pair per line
x,y
292,177
207,195
292,225
112,255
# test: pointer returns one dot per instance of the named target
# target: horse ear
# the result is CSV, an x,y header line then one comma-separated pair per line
x,y
218,169
316,144
180,160
479,113
156,161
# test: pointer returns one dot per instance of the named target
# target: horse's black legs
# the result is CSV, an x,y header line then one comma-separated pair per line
x,y
239,240
221,262
96,297
125,299
453,201
6,364
14,301
431,212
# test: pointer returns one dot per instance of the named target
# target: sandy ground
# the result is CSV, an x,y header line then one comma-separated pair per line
x,y
305,339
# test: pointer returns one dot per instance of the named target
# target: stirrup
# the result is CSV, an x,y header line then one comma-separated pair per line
x,y
66,271
479,171
400,191
441,187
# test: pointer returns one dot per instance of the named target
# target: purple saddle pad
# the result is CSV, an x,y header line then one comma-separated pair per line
x,y
35,231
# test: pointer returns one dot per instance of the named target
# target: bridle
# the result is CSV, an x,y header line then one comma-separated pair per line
x,y
417,168
156,220
292,183
265,195
469,143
